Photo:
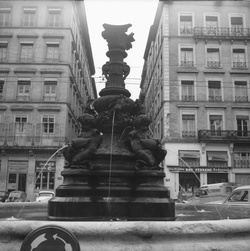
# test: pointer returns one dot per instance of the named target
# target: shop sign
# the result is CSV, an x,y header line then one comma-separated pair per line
x,y
18,166
50,238
49,167
199,169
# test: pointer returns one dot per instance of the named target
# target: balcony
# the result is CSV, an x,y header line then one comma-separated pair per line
x,y
242,163
213,64
32,141
187,63
221,33
31,135
239,64
215,98
224,136
187,98
188,134
241,99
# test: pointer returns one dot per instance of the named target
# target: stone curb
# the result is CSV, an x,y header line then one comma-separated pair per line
x,y
228,235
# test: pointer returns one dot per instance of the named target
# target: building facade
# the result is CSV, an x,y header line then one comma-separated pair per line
x,y
196,88
46,70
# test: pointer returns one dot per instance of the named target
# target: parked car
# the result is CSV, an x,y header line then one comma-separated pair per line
x,y
3,195
213,193
45,196
17,196
239,197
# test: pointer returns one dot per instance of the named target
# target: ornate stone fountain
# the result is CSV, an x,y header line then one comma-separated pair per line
x,y
113,170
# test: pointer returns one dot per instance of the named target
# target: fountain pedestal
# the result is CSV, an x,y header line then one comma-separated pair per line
x,y
113,170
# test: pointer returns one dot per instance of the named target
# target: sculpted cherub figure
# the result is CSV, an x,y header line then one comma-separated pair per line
x,y
149,151
81,149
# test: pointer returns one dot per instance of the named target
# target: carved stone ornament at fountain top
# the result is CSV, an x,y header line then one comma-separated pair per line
x,y
116,36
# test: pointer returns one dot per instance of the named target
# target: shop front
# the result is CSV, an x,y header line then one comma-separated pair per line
x,y
190,179
17,175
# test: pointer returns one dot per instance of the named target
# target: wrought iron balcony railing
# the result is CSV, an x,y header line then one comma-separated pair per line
x,y
187,63
241,98
32,141
213,64
28,134
187,98
224,135
215,98
242,163
239,64
188,134
222,32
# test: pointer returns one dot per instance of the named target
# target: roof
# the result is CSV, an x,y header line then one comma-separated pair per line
x,y
247,187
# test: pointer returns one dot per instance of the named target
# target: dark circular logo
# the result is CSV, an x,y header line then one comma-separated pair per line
x,y
50,238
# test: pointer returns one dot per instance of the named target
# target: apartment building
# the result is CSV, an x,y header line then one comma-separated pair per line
x,y
196,88
46,70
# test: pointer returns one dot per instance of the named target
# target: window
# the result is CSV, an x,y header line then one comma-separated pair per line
x,y
12,177
239,196
239,58
187,90
48,125
20,124
3,51
187,58
215,125
52,52
241,91
1,87
211,23
242,158
214,91
237,26
186,25
54,17
23,86
4,17
45,175
242,125
188,125
213,57
50,89
26,54
29,16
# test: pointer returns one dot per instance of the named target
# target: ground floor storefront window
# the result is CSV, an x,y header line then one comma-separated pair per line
x,y
45,175
189,184
242,179
217,178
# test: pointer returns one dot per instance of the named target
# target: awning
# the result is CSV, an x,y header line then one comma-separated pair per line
x,y
217,156
189,154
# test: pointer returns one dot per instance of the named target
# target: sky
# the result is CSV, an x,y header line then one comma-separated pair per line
x,y
140,14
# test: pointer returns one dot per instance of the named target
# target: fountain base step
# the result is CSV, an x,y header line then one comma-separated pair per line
x,y
90,195
113,208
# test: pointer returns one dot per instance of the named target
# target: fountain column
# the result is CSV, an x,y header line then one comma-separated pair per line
x,y
113,170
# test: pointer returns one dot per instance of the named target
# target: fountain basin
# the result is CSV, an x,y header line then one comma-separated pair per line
x,y
228,235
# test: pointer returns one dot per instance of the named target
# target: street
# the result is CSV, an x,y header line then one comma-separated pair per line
x,y
184,212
